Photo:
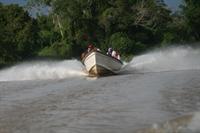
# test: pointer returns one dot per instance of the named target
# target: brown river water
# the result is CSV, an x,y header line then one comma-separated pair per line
x,y
157,92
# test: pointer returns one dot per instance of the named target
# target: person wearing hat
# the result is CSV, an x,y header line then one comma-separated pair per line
x,y
90,47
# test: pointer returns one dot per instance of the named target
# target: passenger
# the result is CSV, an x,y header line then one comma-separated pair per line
x,y
90,48
109,51
118,55
115,54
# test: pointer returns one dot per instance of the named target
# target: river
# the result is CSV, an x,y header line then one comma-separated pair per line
x,y
157,92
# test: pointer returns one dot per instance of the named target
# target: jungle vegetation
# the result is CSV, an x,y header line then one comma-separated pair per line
x,y
129,26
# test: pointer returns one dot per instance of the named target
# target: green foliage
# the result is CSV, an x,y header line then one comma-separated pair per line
x,y
169,38
129,26
139,47
18,33
191,11
58,49
47,34
177,31
121,42
109,22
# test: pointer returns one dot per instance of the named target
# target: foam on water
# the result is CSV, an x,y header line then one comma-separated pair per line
x,y
194,124
183,124
43,70
170,59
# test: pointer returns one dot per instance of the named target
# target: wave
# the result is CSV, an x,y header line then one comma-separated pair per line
x,y
170,59
37,70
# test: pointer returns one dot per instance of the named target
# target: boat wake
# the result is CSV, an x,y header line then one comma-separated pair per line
x,y
38,70
171,59
183,124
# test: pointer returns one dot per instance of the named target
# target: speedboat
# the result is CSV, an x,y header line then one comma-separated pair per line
x,y
99,64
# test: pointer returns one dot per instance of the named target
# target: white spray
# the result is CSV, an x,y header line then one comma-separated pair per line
x,y
43,70
194,124
171,59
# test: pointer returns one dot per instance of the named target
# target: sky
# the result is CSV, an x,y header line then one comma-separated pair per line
x,y
21,2
173,4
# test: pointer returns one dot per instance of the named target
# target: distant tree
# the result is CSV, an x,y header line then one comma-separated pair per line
x,y
47,33
121,42
18,33
191,11
135,24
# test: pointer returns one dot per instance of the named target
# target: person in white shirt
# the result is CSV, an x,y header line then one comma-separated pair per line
x,y
115,54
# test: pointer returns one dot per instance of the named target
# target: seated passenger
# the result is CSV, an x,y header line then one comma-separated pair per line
x,y
115,54
90,48
109,52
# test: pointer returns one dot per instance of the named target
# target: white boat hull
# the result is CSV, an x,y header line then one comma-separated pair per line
x,y
98,64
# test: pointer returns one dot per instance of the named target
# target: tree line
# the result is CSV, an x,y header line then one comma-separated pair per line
x,y
129,26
